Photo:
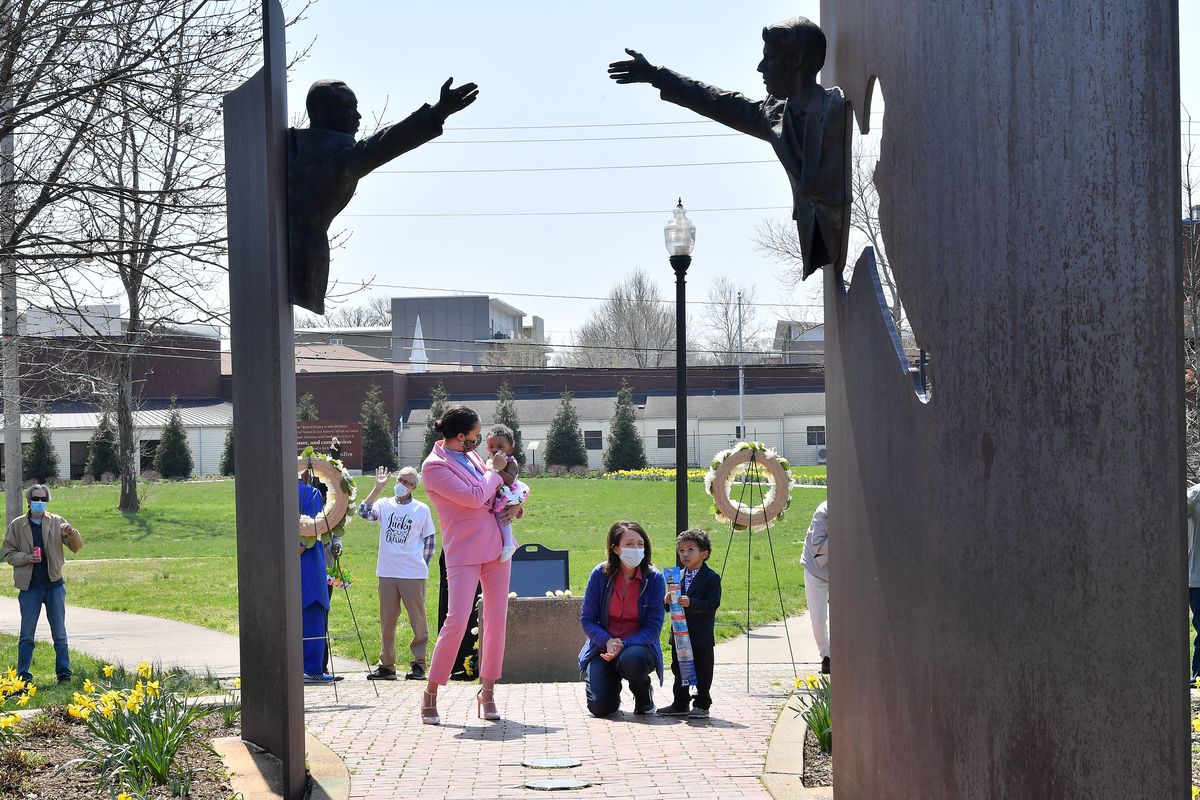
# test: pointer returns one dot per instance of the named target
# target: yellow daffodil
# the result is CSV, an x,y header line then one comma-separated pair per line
x,y
124,796
812,681
1196,724
88,686
73,710
109,669
23,700
9,720
144,670
237,683
32,690
133,704
1195,792
152,688
799,683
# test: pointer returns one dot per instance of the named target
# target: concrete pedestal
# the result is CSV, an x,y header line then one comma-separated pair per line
x,y
544,638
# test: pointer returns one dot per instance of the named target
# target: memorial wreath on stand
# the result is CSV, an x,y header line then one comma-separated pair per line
x,y
749,464
331,522
763,480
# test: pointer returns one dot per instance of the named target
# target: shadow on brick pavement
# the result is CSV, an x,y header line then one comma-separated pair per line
x,y
390,754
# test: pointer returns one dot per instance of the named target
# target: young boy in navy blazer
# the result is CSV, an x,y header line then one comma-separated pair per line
x,y
700,596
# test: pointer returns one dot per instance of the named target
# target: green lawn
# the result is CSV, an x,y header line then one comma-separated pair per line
x,y
51,693
176,558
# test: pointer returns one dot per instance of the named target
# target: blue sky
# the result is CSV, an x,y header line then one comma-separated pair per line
x,y
543,64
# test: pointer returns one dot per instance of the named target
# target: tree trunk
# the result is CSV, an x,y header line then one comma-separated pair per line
x,y
127,446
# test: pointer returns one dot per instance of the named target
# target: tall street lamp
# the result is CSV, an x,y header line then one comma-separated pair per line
x,y
680,236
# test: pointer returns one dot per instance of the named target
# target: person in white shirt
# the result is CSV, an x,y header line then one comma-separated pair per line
x,y
816,579
1193,502
407,540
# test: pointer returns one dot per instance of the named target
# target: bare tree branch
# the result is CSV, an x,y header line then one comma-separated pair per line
x,y
632,328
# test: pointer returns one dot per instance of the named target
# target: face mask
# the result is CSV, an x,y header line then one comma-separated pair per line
x,y
469,445
632,556
402,490
37,506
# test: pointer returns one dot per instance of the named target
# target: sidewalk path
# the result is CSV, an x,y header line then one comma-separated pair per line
x,y
129,639
769,645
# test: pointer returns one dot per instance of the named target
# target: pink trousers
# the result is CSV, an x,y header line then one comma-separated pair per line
x,y
460,588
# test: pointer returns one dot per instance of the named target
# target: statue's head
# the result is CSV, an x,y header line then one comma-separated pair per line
x,y
332,106
793,54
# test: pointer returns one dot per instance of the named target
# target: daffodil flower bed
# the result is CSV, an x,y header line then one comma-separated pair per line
x,y
12,688
136,731
816,706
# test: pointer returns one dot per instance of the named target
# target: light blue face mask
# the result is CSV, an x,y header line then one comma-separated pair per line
x,y
37,506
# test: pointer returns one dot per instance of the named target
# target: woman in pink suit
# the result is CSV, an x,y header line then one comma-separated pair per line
x,y
462,487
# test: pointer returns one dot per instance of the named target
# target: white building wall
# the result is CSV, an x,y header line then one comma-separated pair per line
x,y
206,444
799,451
706,437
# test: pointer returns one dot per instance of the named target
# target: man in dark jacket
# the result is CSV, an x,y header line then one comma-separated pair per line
x,y
700,597
806,125
325,164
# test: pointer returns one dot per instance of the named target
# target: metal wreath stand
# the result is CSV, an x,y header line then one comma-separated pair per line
x,y
758,515
337,561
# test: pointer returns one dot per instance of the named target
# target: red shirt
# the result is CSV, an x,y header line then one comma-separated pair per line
x,y
623,606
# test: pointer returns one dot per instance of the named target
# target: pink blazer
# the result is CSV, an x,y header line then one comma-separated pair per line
x,y
470,533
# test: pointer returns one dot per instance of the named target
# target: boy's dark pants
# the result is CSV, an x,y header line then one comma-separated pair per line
x,y
704,656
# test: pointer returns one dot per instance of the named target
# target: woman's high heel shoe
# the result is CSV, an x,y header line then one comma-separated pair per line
x,y
429,712
486,709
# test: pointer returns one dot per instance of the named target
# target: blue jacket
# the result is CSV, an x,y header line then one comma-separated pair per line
x,y
594,616
313,582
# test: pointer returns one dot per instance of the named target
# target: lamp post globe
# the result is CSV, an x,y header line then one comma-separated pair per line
x,y
680,238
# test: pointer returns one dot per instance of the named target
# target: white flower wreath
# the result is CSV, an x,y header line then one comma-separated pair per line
x,y
340,493
766,463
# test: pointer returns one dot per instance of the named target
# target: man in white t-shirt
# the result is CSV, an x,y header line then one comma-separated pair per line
x,y
407,540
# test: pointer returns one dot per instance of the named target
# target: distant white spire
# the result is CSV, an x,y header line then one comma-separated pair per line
x,y
418,359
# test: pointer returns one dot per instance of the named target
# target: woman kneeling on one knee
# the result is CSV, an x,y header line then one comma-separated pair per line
x,y
622,618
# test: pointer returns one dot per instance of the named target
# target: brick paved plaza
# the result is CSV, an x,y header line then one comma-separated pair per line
x,y
391,755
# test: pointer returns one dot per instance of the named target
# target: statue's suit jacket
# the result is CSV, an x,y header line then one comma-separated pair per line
x,y
324,167
809,140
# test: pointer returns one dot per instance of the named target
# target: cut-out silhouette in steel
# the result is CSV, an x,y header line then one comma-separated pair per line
x,y
805,123
325,163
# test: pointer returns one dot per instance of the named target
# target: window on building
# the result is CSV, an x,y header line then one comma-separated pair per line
x,y
334,340
148,448
816,435
593,440
79,452
738,429
666,438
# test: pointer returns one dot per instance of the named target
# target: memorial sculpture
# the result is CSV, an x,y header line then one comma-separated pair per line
x,y
805,123
326,162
